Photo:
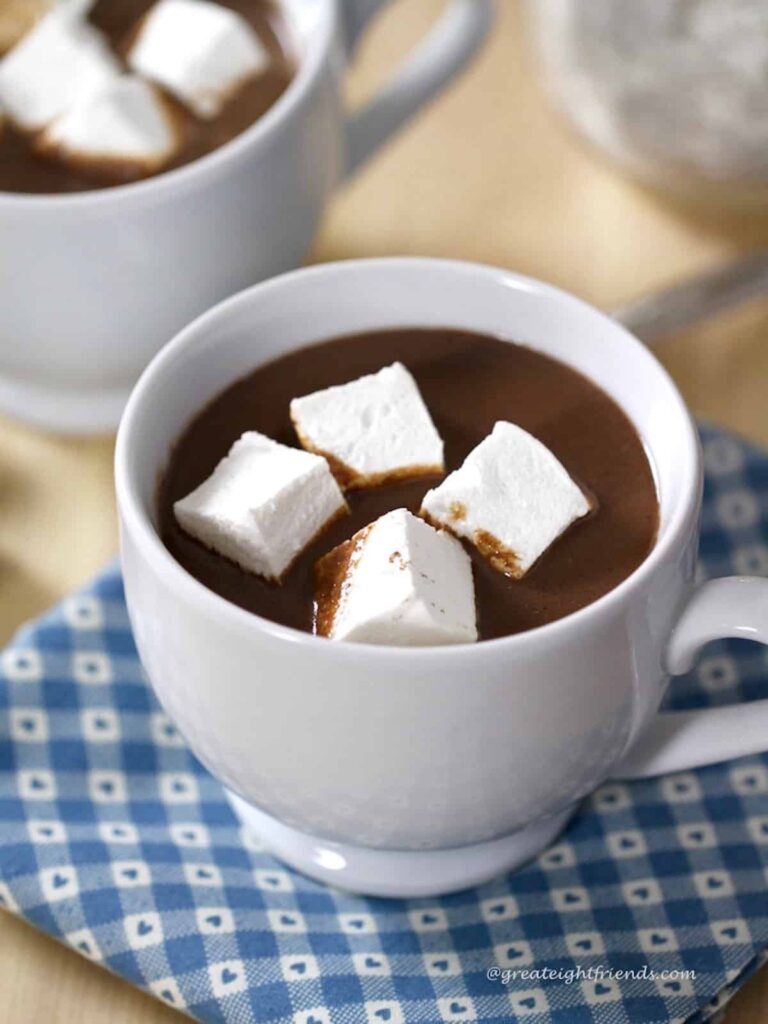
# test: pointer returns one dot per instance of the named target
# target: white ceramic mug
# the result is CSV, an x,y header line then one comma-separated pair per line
x,y
94,283
411,771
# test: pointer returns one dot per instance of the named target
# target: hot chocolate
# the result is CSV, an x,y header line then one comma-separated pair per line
x,y
468,382
28,163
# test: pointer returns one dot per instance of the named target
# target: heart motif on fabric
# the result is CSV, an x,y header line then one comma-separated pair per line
x,y
513,953
729,933
214,920
287,920
601,990
641,894
27,724
384,1013
715,883
659,940
228,976
37,783
428,919
144,928
59,881
572,897
627,843
457,1008
529,1003
372,962
584,944
131,873
440,965
300,968
357,924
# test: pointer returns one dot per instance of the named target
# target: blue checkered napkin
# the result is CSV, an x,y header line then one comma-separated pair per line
x,y
114,839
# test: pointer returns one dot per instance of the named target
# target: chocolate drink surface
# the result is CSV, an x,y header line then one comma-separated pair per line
x,y
23,169
468,382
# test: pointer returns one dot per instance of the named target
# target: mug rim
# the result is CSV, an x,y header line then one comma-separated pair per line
x,y
309,68
144,535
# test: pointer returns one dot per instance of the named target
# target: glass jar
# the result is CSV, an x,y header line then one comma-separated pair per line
x,y
676,90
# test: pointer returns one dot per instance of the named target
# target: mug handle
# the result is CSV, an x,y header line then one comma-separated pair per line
x,y
735,606
441,56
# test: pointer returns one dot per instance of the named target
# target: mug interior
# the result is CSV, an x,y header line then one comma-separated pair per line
x,y
319,303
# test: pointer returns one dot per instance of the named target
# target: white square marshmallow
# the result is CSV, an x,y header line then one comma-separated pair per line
x,y
199,51
262,505
125,122
60,61
511,498
374,429
398,581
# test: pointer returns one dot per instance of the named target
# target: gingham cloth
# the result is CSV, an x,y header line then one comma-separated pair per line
x,y
116,841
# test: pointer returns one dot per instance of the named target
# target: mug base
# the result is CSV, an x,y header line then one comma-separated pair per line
x,y
63,410
402,874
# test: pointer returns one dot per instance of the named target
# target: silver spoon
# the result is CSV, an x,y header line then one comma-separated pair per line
x,y
661,313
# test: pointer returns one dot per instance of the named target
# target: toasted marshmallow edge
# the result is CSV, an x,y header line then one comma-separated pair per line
x,y
372,430
56,64
201,52
262,505
511,498
126,123
398,582
17,17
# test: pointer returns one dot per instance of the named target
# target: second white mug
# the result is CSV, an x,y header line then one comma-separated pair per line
x,y
94,283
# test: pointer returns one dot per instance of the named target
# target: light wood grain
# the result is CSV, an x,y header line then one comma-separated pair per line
x,y
488,173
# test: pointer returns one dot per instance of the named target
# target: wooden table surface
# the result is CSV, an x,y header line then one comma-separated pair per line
x,y
488,174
